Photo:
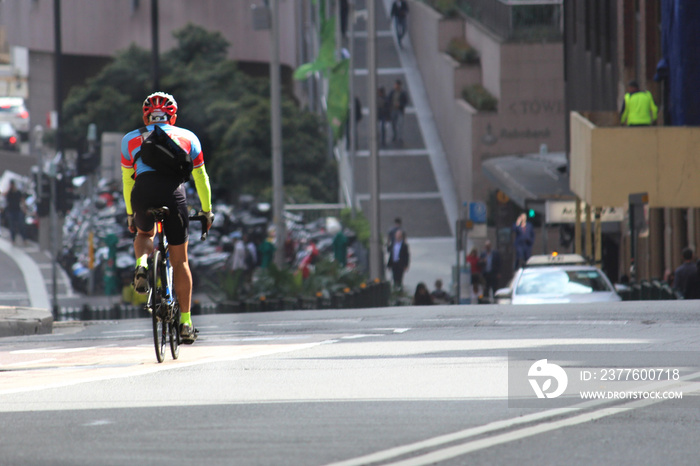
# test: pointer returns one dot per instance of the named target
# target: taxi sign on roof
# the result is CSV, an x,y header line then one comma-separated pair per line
x,y
555,259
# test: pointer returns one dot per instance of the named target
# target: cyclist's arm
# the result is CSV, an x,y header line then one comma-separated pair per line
x,y
201,182
127,185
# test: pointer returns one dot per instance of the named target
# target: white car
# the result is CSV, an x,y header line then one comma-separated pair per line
x,y
13,109
564,283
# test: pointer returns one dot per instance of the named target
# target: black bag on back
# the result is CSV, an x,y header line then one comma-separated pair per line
x,y
164,155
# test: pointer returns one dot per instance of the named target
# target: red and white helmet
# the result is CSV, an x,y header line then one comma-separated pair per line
x,y
159,107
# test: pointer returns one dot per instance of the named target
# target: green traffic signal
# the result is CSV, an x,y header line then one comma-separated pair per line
x,y
531,213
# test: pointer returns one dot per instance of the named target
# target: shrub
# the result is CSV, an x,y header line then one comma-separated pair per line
x,y
460,50
479,98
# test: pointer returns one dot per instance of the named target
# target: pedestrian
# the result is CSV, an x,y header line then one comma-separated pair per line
x,y
383,113
238,265
686,277
490,267
399,11
475,267
340,248
15,209
524,239
399,259
251,257
638,107
392,233
267,252
439,295
397,100
422,296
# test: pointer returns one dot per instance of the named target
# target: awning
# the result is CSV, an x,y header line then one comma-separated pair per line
x,y
530,179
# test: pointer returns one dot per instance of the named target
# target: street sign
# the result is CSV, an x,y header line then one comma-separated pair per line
x,y
565,212
477,212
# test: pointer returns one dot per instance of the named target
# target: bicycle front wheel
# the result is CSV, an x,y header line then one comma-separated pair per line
x,y
159,326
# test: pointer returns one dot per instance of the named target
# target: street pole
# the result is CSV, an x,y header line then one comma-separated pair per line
x,y
276,119
155,47
92,145
353,117
58,100
376,257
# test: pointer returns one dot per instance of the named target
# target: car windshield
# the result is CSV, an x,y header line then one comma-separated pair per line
x,y
561,281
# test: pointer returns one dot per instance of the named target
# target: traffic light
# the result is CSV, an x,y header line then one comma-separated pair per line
x,y
64,194
87,163
43,192
531,213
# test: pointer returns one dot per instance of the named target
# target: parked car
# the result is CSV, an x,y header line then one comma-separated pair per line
x,y
559,283
9,138
14,110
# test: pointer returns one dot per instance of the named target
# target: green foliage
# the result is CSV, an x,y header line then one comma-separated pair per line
x,y
479,98
359,224
228,110
326,278
460,50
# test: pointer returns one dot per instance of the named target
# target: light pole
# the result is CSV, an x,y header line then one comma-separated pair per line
x,y
276,121
376,256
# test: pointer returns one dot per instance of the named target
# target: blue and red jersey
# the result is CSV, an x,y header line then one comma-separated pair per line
x,y
131,145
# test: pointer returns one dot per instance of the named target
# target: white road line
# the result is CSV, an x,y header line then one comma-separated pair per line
x,y
546,426
402,196
459,450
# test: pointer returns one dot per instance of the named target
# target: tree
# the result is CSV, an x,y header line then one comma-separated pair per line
x,y
228,110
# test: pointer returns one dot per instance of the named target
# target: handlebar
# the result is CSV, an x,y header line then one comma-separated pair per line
x,y
203,220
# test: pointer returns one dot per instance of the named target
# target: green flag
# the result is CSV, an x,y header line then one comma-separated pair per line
x,y
326,55
338,98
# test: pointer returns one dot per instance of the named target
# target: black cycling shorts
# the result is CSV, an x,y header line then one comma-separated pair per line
x,y
152,190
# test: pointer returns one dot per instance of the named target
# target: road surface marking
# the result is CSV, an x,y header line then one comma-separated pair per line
x,y
549,423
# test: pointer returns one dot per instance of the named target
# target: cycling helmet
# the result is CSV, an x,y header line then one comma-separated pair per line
x,y
159,107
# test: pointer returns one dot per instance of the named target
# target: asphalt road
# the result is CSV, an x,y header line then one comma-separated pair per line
x,y
378,386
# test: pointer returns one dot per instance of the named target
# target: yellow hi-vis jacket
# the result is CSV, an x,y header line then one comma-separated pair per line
x,y
639,109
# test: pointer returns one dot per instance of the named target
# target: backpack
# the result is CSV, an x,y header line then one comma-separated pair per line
x,y
164,155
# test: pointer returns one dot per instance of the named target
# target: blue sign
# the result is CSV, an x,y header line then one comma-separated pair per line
x,y
477,212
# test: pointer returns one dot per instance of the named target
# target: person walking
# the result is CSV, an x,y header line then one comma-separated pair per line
x,y
15,209
145,187
439,295
399,259
638,107
686,281
490,267
397,100
524,239
422,296
399,12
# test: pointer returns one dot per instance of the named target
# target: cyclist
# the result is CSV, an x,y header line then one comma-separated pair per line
x,y
146,188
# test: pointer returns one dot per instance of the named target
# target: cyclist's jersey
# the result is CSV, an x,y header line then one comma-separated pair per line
x,y
131,145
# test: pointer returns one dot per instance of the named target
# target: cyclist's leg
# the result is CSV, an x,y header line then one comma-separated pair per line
x,y
182,276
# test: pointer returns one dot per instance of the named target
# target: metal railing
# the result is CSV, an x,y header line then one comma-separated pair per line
x,y
518,20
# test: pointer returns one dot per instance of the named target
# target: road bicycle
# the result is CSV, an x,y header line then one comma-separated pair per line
x,y
162,302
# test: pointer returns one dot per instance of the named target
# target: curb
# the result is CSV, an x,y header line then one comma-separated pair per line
x,y
16,321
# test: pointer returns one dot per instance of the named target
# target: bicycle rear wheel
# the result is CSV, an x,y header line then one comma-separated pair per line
x,y
159,327
174,331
